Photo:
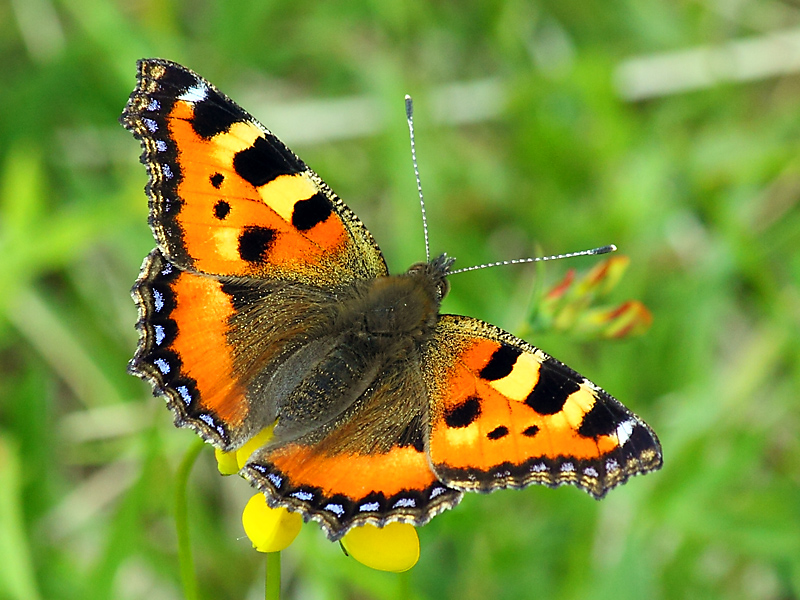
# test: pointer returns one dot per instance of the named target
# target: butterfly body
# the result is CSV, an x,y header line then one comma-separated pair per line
x,y
268,303
364,331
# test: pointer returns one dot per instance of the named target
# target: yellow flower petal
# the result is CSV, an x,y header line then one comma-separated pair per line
x,y
226,462
394,547
269,529
243,453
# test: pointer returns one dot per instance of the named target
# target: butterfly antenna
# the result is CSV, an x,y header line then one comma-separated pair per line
x,y
410,119
518,261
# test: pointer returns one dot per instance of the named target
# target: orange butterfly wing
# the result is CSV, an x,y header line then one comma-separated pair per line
x,y
344,490
227,197
505,415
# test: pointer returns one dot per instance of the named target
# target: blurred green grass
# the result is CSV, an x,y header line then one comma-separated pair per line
x,y
700,188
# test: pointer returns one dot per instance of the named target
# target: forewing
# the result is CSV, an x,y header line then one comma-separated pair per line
x,y
228,198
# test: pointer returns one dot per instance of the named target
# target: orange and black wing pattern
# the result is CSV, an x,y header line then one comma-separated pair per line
x,y
505,415
183,348
227,197
368,466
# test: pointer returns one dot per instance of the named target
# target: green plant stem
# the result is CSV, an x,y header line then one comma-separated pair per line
x,y
272,587
404,585
182,521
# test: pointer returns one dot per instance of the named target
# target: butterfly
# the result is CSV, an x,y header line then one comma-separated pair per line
x,y
266,301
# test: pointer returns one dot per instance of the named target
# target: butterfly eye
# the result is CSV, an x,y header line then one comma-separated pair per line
x,y
431,272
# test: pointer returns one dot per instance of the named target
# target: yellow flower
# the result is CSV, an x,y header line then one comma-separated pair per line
x,y
229,463
226,462
269,529
256,442
394,547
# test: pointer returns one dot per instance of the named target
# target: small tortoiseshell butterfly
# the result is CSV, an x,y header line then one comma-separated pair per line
x,y
266,299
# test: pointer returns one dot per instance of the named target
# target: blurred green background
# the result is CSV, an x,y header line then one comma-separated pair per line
x,y
671,128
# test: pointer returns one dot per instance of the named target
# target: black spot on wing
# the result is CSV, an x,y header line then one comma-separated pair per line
x,y
311,212
552,390
216,180
221,209
602,419
263,161
497,433
464,414
501,364
255,242
530,431
214,115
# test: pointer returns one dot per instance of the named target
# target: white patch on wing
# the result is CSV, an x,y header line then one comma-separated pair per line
x,y
624,431
302,495
405,503
336,509
196,93
186,396
158,300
